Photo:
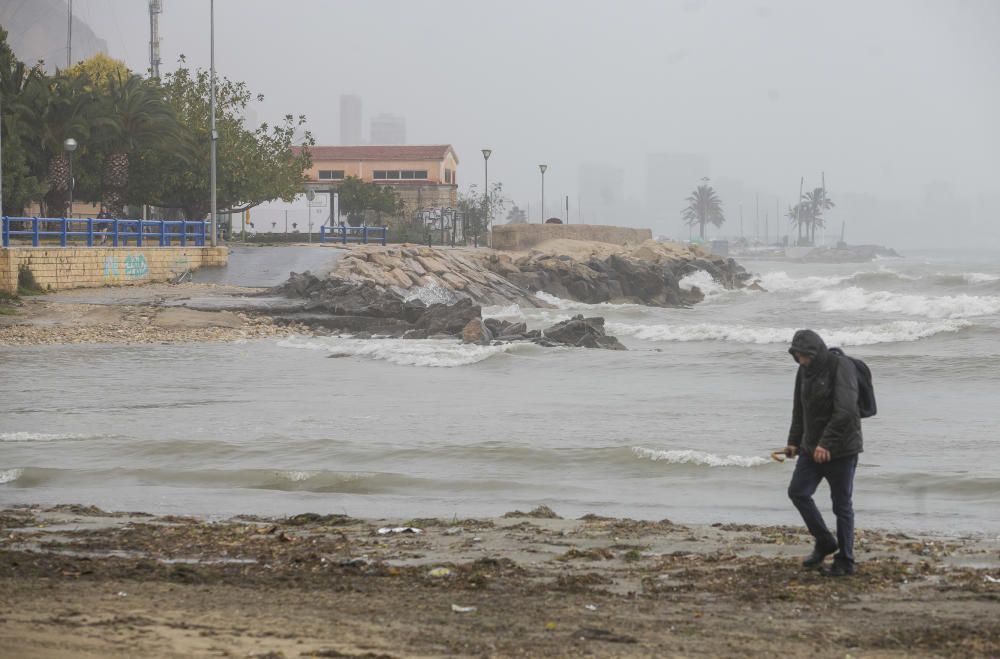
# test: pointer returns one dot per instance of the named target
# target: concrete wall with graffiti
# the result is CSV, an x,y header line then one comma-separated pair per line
x,y
58,268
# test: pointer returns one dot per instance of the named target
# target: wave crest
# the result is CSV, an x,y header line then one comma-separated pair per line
x,y
700,458
898,331
404,352
951,306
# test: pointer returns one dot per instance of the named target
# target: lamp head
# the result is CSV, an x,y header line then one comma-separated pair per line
x,y
542,168
69,144
487,153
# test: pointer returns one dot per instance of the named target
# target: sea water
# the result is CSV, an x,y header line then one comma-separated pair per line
x,y
679,427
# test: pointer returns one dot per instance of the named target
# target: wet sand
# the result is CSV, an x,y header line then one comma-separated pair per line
x,y
76,581
154,313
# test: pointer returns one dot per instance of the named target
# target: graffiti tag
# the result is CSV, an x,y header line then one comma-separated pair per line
x,y
135,266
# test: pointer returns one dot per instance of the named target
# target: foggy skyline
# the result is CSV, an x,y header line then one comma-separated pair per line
x,y
885,97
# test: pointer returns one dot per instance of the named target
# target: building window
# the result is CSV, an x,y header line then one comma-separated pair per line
x,y
399,174
331,174
447,176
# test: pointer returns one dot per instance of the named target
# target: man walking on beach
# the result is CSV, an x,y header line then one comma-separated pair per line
x,y
826,436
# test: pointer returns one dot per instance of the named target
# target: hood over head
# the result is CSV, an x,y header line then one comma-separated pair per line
x,y
808,342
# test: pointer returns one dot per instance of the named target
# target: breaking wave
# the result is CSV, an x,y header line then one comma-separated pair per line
x,y
405,352
858,299
898,331
972,278
39,436
10,475
704,281
699,458
781,281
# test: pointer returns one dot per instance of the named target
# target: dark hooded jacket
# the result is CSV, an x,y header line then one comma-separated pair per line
x,y
825,410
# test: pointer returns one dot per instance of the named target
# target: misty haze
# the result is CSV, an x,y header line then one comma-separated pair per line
x,y
466,328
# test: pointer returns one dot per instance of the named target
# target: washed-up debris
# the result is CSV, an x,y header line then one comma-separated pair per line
x,y
463,609
991,579
590,607
440,572
541,512
386,530
595,634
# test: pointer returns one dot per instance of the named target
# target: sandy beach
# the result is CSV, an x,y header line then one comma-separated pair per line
x,y
78,581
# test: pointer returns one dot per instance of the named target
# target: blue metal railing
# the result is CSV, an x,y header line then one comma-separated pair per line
x,y
162,233
362,234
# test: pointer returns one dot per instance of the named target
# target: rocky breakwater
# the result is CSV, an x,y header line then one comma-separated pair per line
x,y
650,273
364,308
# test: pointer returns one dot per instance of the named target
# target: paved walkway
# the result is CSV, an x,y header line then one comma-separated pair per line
x,y
263,267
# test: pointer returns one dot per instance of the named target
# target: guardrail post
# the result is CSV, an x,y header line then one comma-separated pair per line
x,y
34,232
385,235
364,234
115,242
5,223
164,238
343,234
62,232
184,231
90,232
138,235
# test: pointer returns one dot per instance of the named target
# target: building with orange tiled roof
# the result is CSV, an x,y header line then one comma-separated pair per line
x,y
424,176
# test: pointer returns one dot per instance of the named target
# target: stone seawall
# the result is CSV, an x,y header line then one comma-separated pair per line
x,y
59,268
518,237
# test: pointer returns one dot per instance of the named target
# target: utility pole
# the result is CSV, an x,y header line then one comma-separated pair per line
x,y
215,135
155,9
567,209
756,216
69,36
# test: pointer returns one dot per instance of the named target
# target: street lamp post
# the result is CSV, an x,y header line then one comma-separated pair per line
x,y
486,190
214,134
70,145
542,169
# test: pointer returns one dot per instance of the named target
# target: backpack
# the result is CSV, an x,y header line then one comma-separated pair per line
x,y
866,390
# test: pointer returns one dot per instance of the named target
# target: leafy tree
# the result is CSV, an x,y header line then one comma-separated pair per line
x,y
704,207
479,209
254,164
517,216
98,69
358,197
20,185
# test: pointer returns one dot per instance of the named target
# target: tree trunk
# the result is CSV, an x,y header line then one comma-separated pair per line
x,y
115,177
57,198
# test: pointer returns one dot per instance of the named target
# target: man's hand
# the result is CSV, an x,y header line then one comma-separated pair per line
x,y
821,455
791,451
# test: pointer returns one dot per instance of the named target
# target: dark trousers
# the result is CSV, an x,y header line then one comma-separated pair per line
x,y
839,474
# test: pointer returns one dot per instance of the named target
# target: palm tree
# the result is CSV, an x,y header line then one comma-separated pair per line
x,y
20,186
132,116
814,203
59,108
797,218
704,207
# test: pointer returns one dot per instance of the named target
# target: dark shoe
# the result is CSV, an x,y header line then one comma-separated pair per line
x,y
821,551
839,569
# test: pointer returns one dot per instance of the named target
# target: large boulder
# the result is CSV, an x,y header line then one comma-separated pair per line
x,y
449,318
476,332
580,332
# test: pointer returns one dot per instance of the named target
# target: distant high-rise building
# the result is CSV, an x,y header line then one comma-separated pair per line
x,y
602,195
350,120
388,129
670,179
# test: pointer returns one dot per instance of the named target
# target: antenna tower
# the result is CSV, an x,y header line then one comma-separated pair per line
x,y
155,9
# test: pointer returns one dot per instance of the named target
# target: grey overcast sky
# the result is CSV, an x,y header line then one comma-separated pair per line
x,y
885,96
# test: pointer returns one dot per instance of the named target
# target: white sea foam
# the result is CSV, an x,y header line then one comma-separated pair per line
x,y
405,352
699,458
781,281
703,281
10,475
858,299
512,312
976,277
432,293
897,331
38,436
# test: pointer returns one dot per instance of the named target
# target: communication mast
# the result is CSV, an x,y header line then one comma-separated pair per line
x,y
155,9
